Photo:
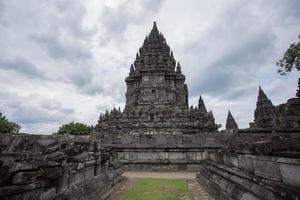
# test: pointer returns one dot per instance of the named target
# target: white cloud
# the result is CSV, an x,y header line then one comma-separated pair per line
x,y
67,60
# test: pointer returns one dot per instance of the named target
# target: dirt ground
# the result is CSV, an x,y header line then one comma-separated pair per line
x,y
129,178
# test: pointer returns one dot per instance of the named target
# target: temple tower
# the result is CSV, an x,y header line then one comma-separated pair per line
x,y
157,96
201,105
153,80
265,112
230,122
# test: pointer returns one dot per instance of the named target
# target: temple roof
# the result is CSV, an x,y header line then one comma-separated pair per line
x,y
230,122
201,105
155,54
262,95
265,113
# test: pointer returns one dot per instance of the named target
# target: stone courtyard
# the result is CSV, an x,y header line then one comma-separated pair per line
x,y
159,132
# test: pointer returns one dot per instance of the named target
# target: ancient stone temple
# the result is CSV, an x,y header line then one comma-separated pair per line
x,y
231,123
158,131
285,115
157,96
265,113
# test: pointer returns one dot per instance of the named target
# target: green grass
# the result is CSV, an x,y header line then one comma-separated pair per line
x,y
157,189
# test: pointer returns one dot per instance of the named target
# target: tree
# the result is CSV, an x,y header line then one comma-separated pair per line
x,y
290,60
8,127
75,129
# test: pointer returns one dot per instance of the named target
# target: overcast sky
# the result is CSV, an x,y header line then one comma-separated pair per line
x,y
64,60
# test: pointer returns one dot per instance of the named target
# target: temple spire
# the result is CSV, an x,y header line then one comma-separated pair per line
x,y
154,28
172,54
265,112
154,31
178,68
261,94
230,122
201,105
155,54
131,70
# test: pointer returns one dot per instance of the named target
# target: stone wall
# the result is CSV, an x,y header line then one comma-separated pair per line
x,y
37,167
240,176
254,164
165,152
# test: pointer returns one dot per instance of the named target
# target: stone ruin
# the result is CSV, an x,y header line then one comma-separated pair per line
x,y
156,96
286,115
158,130
231,124
35,167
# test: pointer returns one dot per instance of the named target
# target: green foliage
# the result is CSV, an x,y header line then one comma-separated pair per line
x,y
75,129
290,60
158,188
8,127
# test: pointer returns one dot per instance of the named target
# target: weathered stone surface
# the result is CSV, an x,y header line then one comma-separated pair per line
x,y
156,96
52,172
46,142
265,115
290,173
56,156
82,157
286,115
37,168
22,178
231,123
228,178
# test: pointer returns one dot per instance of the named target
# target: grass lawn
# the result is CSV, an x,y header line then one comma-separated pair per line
x,y
158,189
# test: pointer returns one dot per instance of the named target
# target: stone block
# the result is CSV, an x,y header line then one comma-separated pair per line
x,y
267,169
98,169
76,177
22,178
64,182
290,174
82,157
248,196
52,172
45,142
56,156
17,189
80,165
89,172
48,194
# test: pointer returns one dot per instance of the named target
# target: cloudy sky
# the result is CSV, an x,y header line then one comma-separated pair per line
x,y
64,60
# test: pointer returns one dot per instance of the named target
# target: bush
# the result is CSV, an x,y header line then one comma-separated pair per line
x,y
75,129
290,60
8,127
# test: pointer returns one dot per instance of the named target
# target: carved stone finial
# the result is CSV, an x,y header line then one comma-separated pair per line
x,y
178,69
154,29
172,54
201,105
131,69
